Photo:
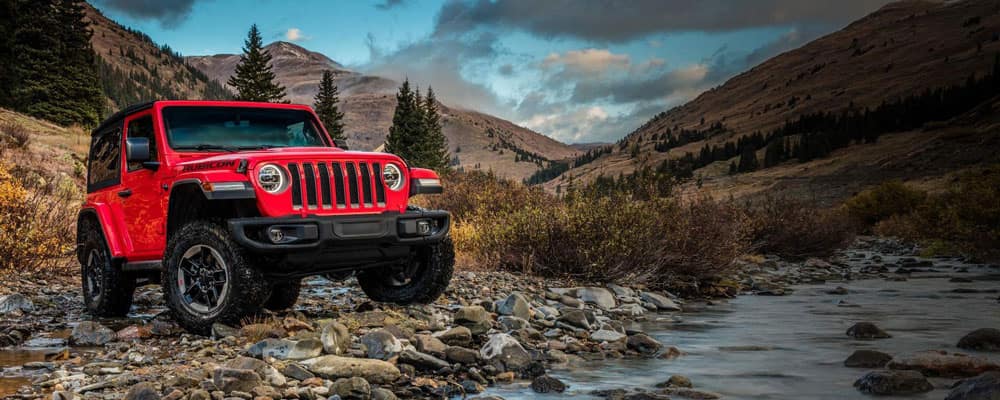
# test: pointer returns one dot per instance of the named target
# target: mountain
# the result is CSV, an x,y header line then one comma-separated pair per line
x,y
904,49
134,69
476,140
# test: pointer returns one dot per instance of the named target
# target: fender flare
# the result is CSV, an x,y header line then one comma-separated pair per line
x,y
102,213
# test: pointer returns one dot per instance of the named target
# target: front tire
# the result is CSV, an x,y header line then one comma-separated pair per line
x,y
107,290
420,280
208,278
284,295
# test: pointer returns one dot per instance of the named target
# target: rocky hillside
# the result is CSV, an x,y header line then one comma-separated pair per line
x,y
476,140
903,49
134,68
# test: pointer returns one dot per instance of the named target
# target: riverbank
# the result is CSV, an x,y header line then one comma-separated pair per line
x,y
491,332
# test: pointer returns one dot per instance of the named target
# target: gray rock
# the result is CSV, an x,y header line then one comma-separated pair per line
x,y
336,338
943,364
867,359
663,303
985,339
335,367
893,383
90,333
643,344
676,381
296,372
571,301
15,303
457,336
547,384
512,323
548,312
605,335
462,355
353,388
515,305
142,391
430,345
383,394
269,374
621,291
598,296
866,330
507,349
476,318
422,361
381,345
983,387
220,330
577,318
284,349
472,387
232,379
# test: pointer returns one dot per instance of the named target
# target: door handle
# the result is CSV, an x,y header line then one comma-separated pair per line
x,y
125,193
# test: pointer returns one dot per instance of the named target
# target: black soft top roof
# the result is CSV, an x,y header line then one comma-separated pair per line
x,y
120,115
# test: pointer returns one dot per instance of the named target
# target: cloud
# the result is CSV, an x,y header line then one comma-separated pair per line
x,y
170,13
388,4
587,61
611,21
295,35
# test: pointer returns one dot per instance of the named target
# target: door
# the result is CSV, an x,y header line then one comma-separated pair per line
x,y
141,195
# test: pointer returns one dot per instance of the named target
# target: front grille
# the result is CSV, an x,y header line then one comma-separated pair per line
x,y
336,185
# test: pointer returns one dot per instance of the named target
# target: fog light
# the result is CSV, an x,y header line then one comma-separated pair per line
x,y
276,235
424,227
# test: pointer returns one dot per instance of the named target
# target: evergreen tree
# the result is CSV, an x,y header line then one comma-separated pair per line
x,y
327,109
51,71
435,144
748,160
406,123
254,79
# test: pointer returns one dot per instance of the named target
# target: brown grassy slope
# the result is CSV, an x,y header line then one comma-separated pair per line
x,y
368,103
903,48
928,159
109,38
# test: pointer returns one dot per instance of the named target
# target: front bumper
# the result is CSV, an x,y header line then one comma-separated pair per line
x,y
320,244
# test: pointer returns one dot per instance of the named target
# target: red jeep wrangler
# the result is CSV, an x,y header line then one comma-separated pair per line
x,y
230,204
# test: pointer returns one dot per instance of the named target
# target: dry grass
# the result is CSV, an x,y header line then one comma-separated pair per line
x,y
797,229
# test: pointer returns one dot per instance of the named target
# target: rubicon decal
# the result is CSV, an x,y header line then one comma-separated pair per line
x,y
209,165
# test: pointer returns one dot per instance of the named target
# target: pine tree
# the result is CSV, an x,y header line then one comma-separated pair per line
x,y
748,160
254,79
327,109
416,133
435,144
403,137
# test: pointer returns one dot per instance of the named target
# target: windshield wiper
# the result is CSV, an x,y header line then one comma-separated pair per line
x,y
259,147
203,147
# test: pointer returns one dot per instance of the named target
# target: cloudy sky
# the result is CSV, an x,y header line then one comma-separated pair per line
x,y
576,70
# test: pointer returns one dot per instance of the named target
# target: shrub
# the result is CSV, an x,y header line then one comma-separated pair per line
x,y
889,199
18,134
798,229
36,223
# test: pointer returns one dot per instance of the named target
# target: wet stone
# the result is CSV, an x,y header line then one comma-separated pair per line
x,y
547,384
867,330
893,383
867,359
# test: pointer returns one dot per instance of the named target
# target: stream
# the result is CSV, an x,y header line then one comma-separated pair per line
x,y
794,346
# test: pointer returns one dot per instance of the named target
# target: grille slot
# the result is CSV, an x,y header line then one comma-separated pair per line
x,y
332,184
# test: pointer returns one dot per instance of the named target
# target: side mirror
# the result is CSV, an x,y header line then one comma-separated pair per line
x,y
341,143
137,149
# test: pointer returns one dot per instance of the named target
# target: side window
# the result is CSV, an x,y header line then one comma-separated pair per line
x,y
105,159
142,127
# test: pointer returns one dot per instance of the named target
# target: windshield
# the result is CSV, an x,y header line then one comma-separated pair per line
x,y
238,128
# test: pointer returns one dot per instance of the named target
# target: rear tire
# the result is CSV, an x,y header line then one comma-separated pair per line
x,y
422,280
208,278
284,295
107,290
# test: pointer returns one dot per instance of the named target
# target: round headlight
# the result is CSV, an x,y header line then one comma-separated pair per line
x,y
272,179
392,177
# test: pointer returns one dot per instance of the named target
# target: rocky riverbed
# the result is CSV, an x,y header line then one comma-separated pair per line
x,y
498,334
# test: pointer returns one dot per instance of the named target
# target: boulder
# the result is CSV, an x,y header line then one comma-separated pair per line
x,y
677,381
269,374
296,372
380,344
422,361
547,384
430,345
507,349
867,330
643,344
220,330
336,367
142,391
983,387
515,305
90,333
577,318
15,303
512,323
606,335
985,339
476,318
884,382
233,379
621,292
943,364
867,359
457,336
383,394
353,388
462,355
598,296
335,337
662,303
284,349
